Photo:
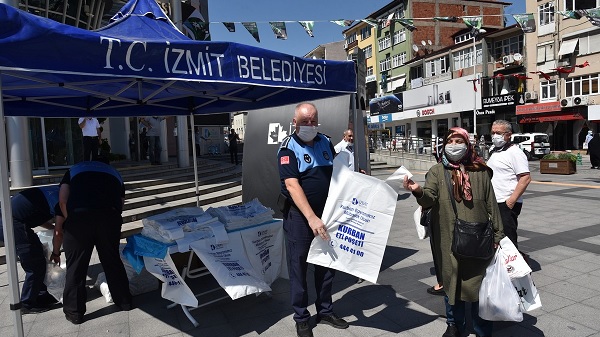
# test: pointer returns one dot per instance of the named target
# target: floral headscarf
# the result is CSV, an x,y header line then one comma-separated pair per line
x,y
461,184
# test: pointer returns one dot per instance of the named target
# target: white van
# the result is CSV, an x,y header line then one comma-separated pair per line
x,y
533,144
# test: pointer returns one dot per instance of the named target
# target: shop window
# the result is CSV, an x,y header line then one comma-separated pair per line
x,y
508,84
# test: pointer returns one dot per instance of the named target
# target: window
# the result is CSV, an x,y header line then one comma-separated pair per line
x,y
508,46
494,86
399,36
398,60
463,38
571,5
365,32
350,38
464,58
385,42
370,71
548,91
386,64
589,43
436,67
368,51
546,13
582,85
398,14
545,53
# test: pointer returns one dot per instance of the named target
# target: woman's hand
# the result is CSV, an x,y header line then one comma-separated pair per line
x,y
410,185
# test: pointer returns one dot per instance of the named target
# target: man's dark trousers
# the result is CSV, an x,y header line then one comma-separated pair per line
x,y
233,152
90,148
298,239
82,231
509,219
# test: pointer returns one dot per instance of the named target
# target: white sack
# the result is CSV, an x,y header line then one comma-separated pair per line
x,y
265,250
396,180
498,300
174,287
422,231
513,260
55,280
358,215
530,298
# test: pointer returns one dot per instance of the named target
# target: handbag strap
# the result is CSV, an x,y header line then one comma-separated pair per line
x,y
448,183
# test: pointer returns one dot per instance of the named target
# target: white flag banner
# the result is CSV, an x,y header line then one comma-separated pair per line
x,y
229,265
173,288
358,215
265,250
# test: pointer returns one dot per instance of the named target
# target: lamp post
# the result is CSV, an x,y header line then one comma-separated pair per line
x,y
480,31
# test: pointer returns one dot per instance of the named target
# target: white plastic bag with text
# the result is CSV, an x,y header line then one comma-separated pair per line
x,y
530,298
358,215
513,260
174,288
264,248
498,300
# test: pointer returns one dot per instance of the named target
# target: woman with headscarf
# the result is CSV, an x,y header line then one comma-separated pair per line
x,y
473,194
594,148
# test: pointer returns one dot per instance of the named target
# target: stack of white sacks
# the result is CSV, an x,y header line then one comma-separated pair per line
x,y
241,216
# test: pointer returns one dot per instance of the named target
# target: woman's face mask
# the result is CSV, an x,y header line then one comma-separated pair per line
x,y
307,133
455,152
498,140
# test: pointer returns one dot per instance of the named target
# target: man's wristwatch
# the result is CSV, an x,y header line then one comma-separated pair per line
x,y
55,254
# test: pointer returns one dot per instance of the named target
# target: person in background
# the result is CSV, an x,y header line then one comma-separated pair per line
x,y
33,207
92,220
594,147
198,139
511,176
90,127
463,176
305,161
586,143
347,145
233,145
153,136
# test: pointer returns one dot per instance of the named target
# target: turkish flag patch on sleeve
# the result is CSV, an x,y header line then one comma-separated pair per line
x,y
284,160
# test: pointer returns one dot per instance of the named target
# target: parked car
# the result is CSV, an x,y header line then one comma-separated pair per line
x,y
533,144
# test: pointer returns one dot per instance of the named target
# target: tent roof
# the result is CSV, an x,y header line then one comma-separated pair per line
x,y
140,64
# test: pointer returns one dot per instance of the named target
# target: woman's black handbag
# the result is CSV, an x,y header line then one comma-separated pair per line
x,y
426,217
472,240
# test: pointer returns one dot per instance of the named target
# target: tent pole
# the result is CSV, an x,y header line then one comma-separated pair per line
x,y
9,236
195,160
355,124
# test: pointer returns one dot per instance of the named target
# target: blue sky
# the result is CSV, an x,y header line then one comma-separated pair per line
x,y
298,42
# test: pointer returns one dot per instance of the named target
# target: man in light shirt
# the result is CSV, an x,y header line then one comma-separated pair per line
x,y
347,145
90,128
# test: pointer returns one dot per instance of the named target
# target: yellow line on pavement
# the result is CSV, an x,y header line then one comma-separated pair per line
x,y
563,184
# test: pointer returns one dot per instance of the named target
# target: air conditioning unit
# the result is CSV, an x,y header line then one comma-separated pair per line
x,y
580,100
531,96
508,59
566,102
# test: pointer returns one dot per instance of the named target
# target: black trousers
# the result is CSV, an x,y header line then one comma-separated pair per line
x,y
90,148
233,152
298,238
509,219
83,231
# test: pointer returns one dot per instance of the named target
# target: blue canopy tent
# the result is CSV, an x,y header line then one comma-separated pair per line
x,y
140,65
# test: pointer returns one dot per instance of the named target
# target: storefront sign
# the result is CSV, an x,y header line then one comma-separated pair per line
x,y
502,100
385,118
486,112
550,118
425,112
538,108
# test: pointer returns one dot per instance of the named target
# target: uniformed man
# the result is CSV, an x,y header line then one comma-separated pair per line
x,y
31,208
305,168
91,198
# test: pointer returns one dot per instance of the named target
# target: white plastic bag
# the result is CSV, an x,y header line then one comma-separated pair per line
x,y
396,180
513,260
55,280
498,300
101,285
422,231
528,294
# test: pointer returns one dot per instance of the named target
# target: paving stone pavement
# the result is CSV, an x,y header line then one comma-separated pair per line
x,y
559,228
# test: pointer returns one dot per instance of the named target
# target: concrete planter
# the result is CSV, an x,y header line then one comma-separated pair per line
x,y
557,166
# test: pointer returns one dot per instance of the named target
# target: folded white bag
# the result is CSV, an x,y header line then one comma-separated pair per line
x,y
513,260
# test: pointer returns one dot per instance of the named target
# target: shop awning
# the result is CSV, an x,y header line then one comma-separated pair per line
x,y
398,83
568,47
542,118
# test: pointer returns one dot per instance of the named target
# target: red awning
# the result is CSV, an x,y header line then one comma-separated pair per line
x,y
538,118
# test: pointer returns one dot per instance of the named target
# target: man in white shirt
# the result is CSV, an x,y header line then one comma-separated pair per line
x,y
90,128
347,145
153,135
511,176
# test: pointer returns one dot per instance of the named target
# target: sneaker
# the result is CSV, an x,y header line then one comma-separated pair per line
x,y
334,321
34,310
303,329
451,331
74,318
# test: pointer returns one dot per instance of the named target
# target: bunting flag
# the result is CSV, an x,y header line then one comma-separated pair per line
x,y
570,14
568,70
389,19
445,18
279,30
406,23
521,77
230,26
196,28
252,29
593,15
546,76
373,23
343,23
473,22
308,27
583,65
475,80
526,22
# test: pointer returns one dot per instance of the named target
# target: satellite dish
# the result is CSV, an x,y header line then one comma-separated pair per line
x,y
415,47
429,42
423,42
517,57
